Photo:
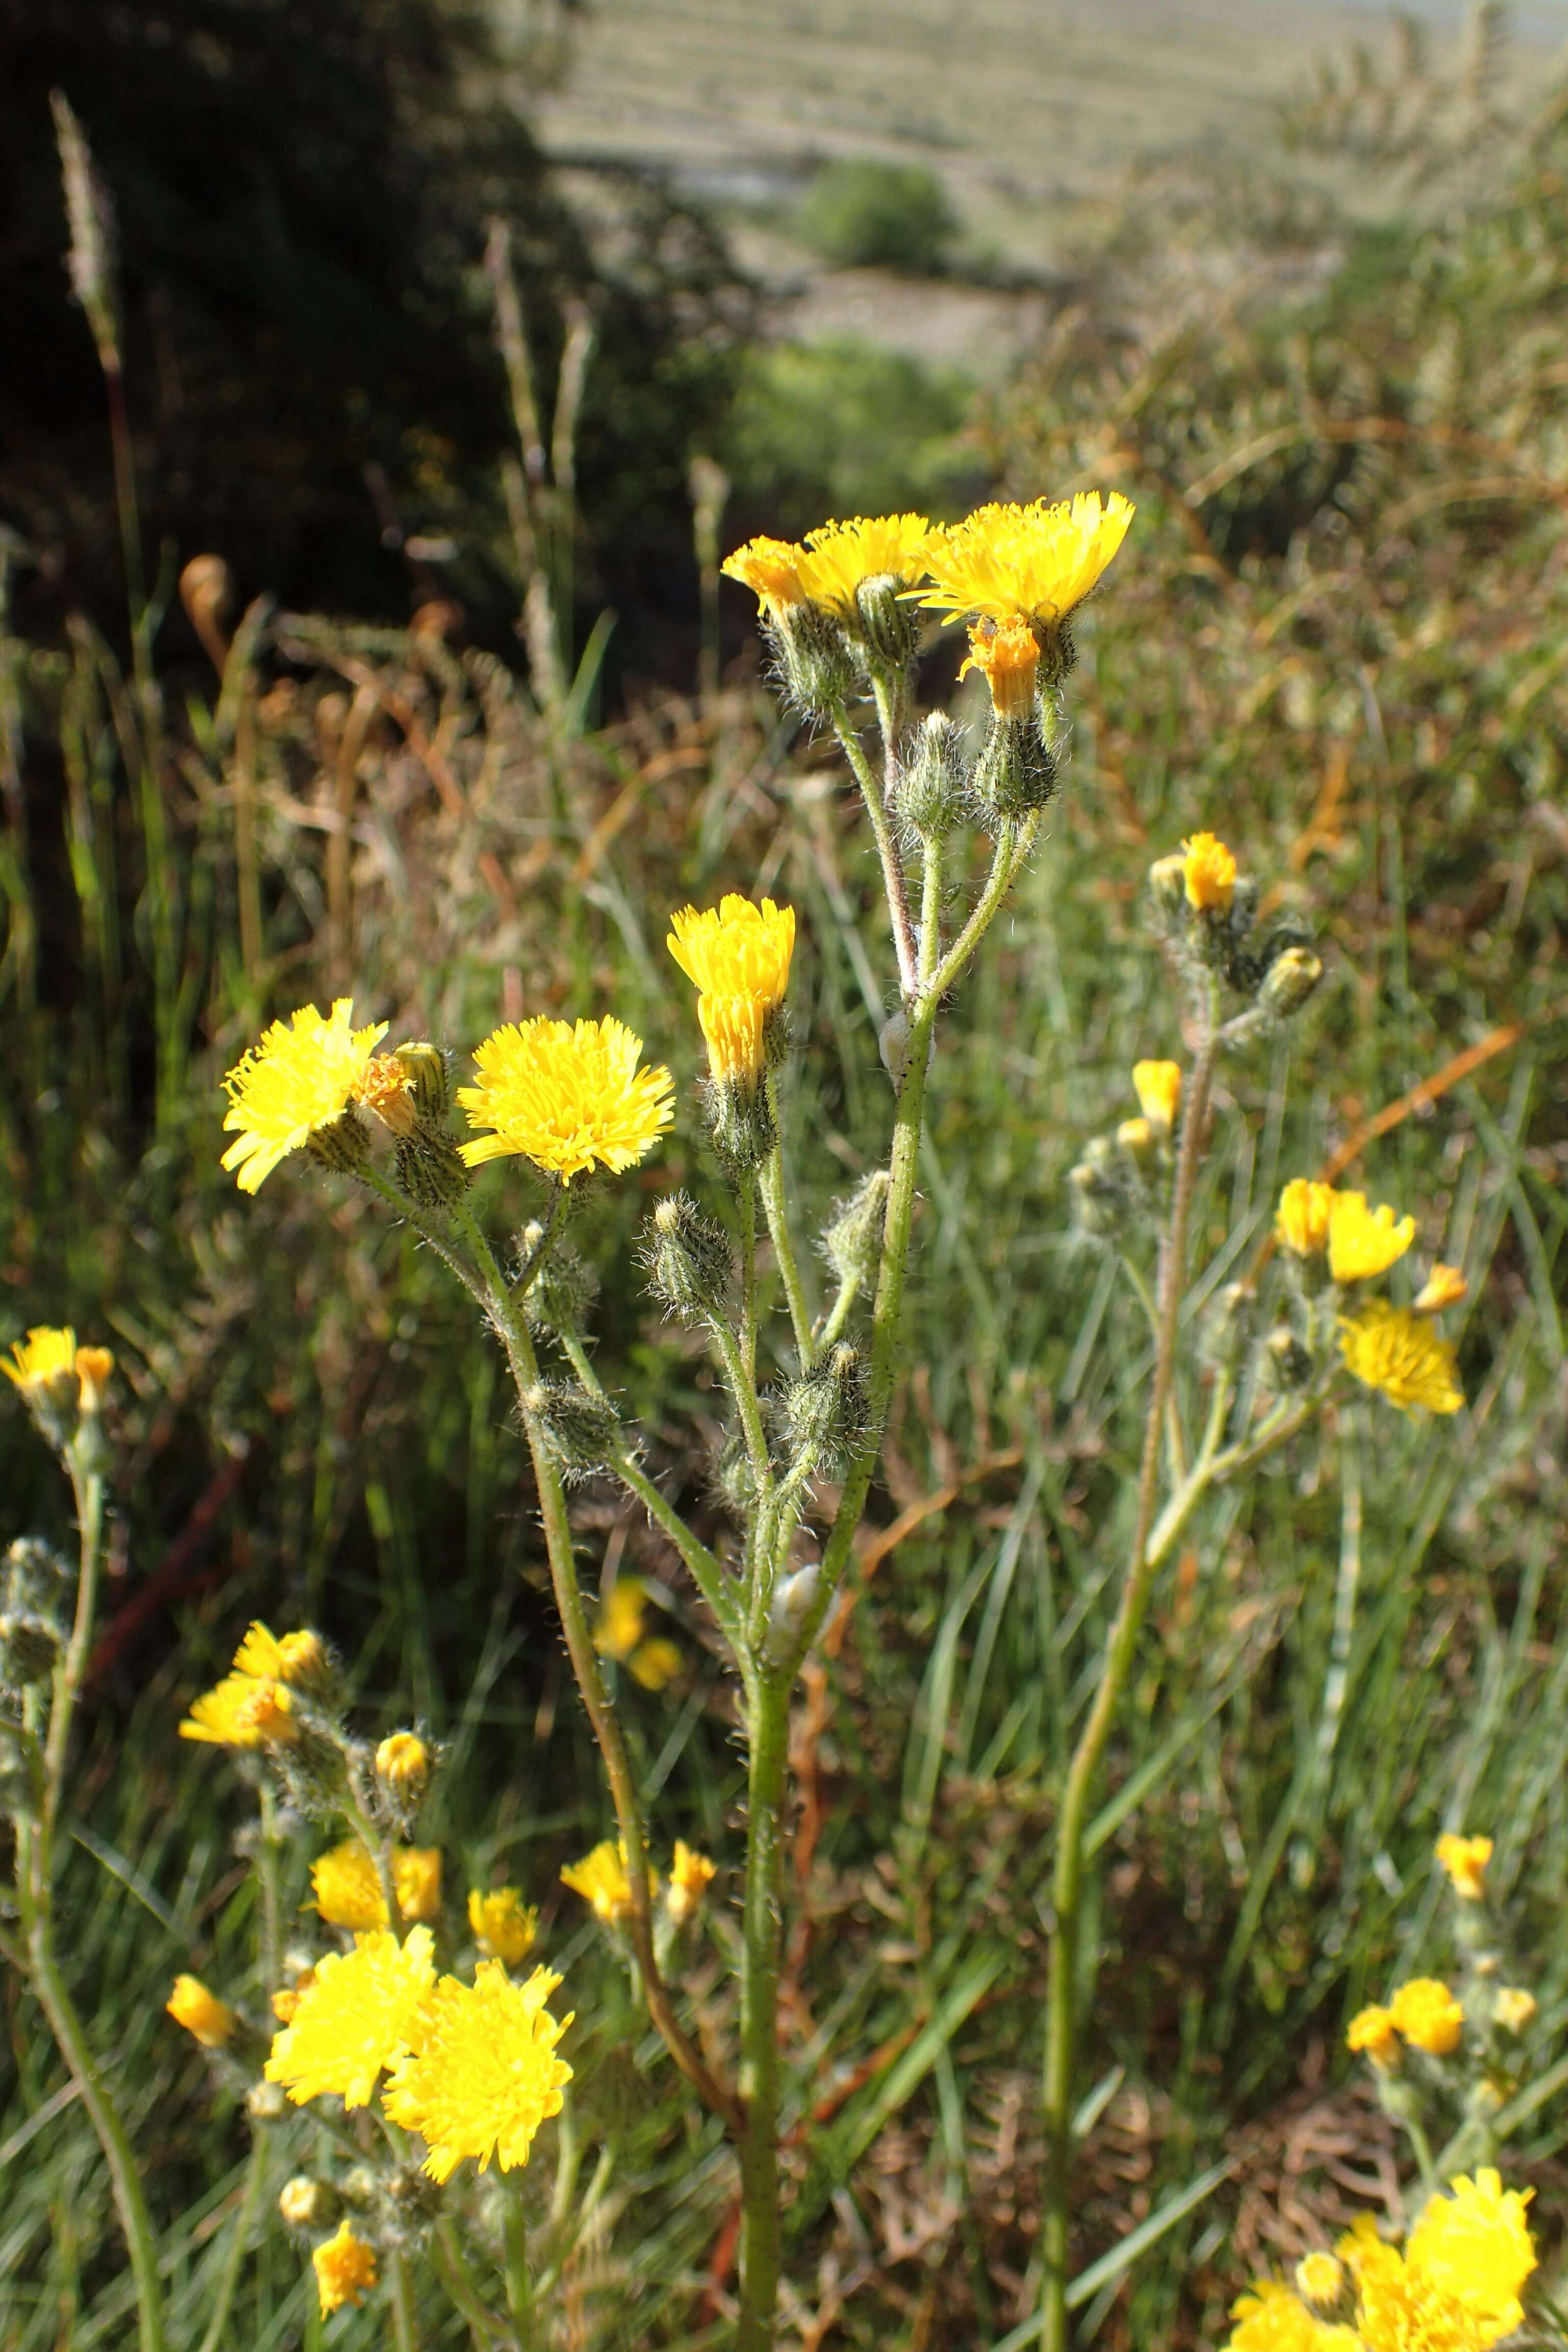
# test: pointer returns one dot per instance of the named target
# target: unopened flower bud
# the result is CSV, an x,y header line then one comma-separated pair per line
x,y
1286,1361
267,2102
1168,886
343,1145
209,2020
426,1070
814,656
932,789
431,1169
852,1243
307,2204
305,1663
1513,2009
1016,773
1099,1200
1288,982
29,1646
580,1430
689,1262
794,1597
1225,1325
887,621
403,1767
827,1411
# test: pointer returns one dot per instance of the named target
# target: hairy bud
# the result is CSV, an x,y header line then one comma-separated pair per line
x,y
1100,1197
814,656
689,1263
579,1429
29,1645
307,2204
343,1146
431,1169
794,1597
1286,1362
887,622
1014,773
1290,982
852,1243
826,1412
933,789
429,1080
560,1295
1168,887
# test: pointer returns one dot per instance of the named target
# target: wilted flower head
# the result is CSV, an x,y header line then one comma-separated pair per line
x,y
690,1876
1007,655
1444,1287
601,1879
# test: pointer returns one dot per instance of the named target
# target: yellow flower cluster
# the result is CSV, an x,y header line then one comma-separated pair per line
x,y
480,2073
49,1360
347,1885
738,956
1455,2288
1423,2012
1391,1348
619,1634
254,1703
568,1096
1025,566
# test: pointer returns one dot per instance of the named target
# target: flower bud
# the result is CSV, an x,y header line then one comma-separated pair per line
x,y
305,1664
267,2102
1168,886
560,1295
689,1263
431,1169
794,1597
1014,773
580,1430
426,1070
1288,982
888,623
815,659
209,2020
29,1646
343,1145
1225,1326
403,1767
931,793
1099,1200
852,1243
307,2204
826,1411
741,1121
1286,1361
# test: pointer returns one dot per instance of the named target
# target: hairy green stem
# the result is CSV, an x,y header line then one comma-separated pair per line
x,y
761,2239
485,2327
400,2280
872,794
1067,1891
519,2285
777,1214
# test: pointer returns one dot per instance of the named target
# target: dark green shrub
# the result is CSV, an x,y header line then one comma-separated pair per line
x,y
872,216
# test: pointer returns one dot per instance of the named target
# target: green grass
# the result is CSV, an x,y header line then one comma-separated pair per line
x,y
1312,1702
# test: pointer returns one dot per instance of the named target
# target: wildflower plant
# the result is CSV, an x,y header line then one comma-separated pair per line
x,y
427,2008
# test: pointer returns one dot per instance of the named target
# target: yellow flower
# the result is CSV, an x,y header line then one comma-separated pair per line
x,y
738,955
345,2269
385,1089
840,555
1135,1135
690,1876
1158,1086
601,1879
1365,1241
774,570
44,1355
1208,874
286,2001
354,2019
200,2012
653,1663
1029,562
402,1764
1388,1349
93,1366
299,1659
347,1884
1319,2278
480,2073
566,1095
1007,653
1454,2288
1465,1859
620,1625
1514,2009
1301,1220
1271,2319
1425,2013
1444,1287
1371,2031
503,1924
301,1078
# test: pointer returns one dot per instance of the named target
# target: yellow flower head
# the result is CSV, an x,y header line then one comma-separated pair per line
x,y
1371,2033
1029,562
1365,1241
1390,1349
601,1879
1465,1859
45,1356
503,1925
774,570
93,1368
385,1090
1444,1287
1007,655
480,2073
738,955
402,1764
1158,1086
1425,2013
252,1703
1135,1135
1271,2319
566,1095
653,1663
690,1876
200,2012
347,1885
1208,874
287,1999
1319,2278
1475,2246
346,2271
620,1625
840,555
1301,1220
299,1659
1515,2010
355,2016
301,1078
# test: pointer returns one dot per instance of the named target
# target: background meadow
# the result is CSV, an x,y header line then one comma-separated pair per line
x,y
1322,341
